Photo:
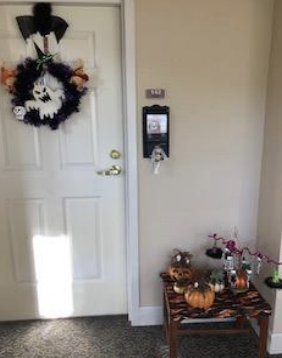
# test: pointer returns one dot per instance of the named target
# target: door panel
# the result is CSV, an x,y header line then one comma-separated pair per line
x,y
86,248
62,240
79,141
25,220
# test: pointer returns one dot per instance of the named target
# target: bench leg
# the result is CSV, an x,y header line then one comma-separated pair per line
x,y
166,318
263,334
240,322
172,331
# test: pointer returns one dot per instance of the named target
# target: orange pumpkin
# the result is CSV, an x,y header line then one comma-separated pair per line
x,y
242,280
199,296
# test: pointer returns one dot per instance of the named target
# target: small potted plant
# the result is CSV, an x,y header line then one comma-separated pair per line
x,y
274,281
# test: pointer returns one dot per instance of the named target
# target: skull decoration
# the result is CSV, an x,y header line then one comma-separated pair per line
x,y
19,112
46,101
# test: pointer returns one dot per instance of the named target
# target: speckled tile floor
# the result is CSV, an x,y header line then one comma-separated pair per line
x,y
111,337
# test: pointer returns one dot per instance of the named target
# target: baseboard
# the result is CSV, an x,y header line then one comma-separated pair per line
x,y
148,316
275,343
153,315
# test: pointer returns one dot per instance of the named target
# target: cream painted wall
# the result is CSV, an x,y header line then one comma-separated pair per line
x,y
212,58
270,204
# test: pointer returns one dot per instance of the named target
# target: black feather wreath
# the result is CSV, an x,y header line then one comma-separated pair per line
x,y
42,18
27,73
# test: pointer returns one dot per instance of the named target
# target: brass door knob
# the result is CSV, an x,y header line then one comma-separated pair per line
x,y
113,171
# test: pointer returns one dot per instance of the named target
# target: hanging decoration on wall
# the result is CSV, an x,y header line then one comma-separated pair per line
x,y
157,156
156,135
231,250
44,90
214,252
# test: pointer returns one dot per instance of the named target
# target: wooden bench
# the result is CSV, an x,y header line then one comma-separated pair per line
x,y
227,305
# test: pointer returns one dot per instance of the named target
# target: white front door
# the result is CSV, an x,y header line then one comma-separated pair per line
x,y
62,239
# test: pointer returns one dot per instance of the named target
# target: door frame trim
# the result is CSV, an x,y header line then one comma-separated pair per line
x,y
130,136
130,139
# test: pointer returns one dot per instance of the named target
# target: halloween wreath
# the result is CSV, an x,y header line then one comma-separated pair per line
x,y
44,91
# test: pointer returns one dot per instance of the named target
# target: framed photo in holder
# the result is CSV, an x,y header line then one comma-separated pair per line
x,y
155,129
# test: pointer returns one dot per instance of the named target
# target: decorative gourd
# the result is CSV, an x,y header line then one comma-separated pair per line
x,y
217,286
180,267
217,280
179,287
199,296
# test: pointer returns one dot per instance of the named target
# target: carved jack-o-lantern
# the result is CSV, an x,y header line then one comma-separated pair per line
x,y
180,273
180,268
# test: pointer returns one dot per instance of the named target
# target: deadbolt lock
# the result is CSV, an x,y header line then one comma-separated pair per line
x,y
115,154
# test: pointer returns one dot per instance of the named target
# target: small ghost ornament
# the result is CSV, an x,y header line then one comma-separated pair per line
x,y
46,101
19,112
258,268
157,156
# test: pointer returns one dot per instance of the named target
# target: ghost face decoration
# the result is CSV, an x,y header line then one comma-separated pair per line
x,y
40,93
19,112
47,101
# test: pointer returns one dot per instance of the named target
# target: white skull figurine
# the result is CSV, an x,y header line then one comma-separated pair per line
x,y
19,112
46,101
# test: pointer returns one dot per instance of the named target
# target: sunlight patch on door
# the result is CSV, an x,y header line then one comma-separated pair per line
x,y
52,258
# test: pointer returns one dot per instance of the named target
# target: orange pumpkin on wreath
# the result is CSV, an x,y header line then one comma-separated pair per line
x,y
8,77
